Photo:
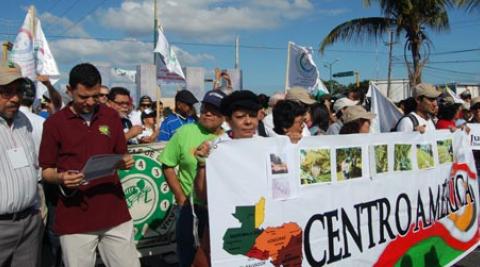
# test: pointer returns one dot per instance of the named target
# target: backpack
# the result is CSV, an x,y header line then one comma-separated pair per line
x,y
411,117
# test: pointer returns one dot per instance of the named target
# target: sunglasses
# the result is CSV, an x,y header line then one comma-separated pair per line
x,y
102,95
8,92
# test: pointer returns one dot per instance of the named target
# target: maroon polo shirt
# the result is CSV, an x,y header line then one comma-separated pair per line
x,y
67,143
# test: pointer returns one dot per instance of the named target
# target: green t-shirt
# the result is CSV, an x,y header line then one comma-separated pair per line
x,y
179,152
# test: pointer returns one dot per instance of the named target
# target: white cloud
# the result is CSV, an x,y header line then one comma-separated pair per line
x,y
128,52
204,19
59,25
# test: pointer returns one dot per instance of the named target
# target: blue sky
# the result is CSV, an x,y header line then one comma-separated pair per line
x,y
119,34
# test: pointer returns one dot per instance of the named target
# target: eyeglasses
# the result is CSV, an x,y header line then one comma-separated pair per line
x,y
124,103
145,105
102,95
9,92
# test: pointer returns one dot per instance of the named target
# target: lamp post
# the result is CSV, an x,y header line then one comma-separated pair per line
x,y
329,67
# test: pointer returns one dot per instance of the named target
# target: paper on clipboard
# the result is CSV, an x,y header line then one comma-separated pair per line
x,y
100,166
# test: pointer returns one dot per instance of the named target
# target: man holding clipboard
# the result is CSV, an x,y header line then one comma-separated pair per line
x,y
94,214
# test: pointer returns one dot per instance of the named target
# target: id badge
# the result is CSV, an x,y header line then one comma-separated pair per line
x,y
17,157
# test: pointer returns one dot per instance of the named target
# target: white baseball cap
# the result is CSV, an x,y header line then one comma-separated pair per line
x,y
342,103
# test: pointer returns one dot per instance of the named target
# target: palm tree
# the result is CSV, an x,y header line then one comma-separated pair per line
x,y
410,17
470,5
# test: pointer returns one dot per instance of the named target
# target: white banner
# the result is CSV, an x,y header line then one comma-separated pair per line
x,y
169,62
32,53
129,74
387,113
301,69
402,199
474,135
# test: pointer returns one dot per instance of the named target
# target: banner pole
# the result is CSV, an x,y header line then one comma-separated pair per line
x,y
287,68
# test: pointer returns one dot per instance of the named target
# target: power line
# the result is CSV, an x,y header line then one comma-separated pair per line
x,y
69,8
85,16
193,44
452,71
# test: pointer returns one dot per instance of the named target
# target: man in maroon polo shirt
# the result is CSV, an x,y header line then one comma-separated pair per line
x,y
95,214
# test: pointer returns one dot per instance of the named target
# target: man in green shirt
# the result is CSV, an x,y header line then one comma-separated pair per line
x,y
179,152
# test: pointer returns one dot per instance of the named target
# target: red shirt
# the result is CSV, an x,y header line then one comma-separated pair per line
x,y
67,143
445,124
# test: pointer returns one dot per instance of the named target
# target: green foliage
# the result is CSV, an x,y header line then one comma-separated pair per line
x,y
381,158
425,156
403,157
349,163
315,166
445,151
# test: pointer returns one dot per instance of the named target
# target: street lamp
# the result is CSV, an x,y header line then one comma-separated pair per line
x,y
329,67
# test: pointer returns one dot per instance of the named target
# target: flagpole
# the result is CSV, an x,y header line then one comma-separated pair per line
x,y
288,67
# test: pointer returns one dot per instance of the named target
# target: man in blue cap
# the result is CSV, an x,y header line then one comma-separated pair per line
x,y
184,114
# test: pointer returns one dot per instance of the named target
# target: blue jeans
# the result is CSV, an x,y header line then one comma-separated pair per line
x,y
184,232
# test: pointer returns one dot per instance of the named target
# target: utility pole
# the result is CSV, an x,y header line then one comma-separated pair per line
x,y
237,52
390,49
329,67
155,30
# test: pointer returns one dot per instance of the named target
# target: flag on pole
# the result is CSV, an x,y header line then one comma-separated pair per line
x,y
387,113
32,53
168,57
129,74
302,71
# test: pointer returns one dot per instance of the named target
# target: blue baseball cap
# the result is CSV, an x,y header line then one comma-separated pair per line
x,y
214,98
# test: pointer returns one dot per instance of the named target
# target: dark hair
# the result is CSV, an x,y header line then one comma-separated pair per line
x,y
284,114
263,99
447,111
352,127
29,91
117,91
143,115
409,105
85,74
320,116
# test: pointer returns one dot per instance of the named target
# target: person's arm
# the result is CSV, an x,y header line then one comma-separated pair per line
x,y
133,132
68,179
174,184
53,93
200,183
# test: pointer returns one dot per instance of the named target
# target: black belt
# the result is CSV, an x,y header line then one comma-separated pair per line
x,y
16,215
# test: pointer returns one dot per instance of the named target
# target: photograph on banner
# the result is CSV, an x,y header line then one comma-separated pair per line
x,y
315,166
403,154
381,158
281,188
278,163
425,158
349,164
445,151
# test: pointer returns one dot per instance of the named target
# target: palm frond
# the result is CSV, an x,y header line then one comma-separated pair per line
x,y
358,29
470,5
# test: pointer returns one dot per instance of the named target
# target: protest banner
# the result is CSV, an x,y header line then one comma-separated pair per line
x,y
32,52
301,69
403,199
148,195
474,136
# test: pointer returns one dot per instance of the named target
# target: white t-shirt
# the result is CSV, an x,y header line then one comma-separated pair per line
x,y
135,117
406,124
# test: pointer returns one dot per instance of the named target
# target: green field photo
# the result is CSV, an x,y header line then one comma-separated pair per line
x,y
425,156
445,151
403,157
349,163
315,166
381,158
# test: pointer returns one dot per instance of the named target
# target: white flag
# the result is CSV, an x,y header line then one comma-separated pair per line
x,y
301,69
387,113
456,99
129,74
168,56
32,53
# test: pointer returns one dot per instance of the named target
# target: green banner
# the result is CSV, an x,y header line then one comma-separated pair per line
x,y
148,195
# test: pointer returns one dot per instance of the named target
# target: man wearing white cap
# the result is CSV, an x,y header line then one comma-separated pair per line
x,y
339,106
421,119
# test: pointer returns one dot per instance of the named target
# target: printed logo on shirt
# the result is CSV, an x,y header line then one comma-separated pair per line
x,y
104,129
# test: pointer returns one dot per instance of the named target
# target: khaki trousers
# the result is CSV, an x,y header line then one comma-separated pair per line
x,y
116,247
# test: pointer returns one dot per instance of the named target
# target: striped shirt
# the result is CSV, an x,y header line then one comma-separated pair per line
x,y
18,187
171,124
